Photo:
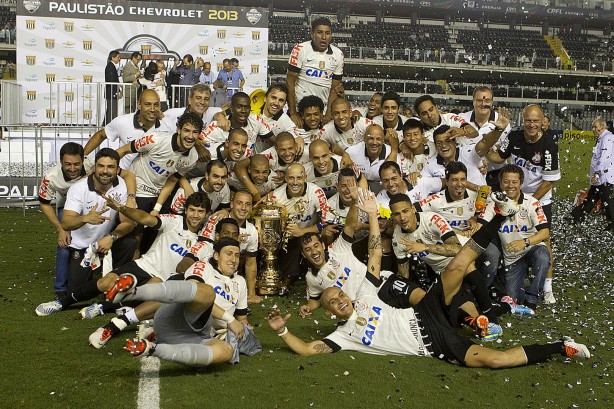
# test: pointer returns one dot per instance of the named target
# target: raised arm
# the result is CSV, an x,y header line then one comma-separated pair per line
x,y
95,141
368,205
133,214
277,323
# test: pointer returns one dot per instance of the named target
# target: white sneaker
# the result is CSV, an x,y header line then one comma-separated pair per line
x,y
145,330
573,348
549,298
91,311
48,308
100,337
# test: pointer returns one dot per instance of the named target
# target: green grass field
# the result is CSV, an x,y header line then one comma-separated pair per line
x,y
47,362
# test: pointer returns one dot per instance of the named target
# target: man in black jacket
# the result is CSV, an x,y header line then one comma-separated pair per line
x,y
112,92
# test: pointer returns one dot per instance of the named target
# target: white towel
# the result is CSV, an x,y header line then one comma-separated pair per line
x,y
92,259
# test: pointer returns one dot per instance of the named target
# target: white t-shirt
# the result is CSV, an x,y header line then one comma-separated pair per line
x,y
217,152
466,154
336,137
254,127
217,198
377,328
81,198
173,241
304,210
158,159
379,119
316,70
524,224
230,293
358,153
125,129
55,184
328,182
425,186
416,164
202,250
432,229
453,121
457,213
280,123
277,164
469,118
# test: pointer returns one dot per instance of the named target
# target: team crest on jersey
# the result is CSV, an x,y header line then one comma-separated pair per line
x,y
328,182
170,163
322,65
360,307
537,157
351,141
420,166
300,207
334,263
459,211
117,196
523,213
361,321
331,275
188,243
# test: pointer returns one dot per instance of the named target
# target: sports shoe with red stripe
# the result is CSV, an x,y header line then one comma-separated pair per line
x,y
138,348
573,348
123,287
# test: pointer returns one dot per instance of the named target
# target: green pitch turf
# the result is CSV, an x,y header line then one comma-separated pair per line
x,y
47,362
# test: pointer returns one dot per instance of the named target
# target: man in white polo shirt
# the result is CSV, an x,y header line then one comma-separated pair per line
x,y
390,119
315,68
127,128
54,186
93,225
342,132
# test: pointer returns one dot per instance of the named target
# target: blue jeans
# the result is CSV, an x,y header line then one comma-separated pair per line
x,y
62,257
538,258
488,263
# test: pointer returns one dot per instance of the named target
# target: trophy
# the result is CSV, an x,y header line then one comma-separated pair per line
x,y
270,220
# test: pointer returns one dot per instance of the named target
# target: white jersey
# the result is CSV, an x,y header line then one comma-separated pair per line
x,y
255,127
248,235
55,183
230,293
81,198
469,118
316,70
457,213
159,158
328,182
358,153
217,198
339,212
173,241
524,224
379,119
171,116
308,136
332,134
453,121
280,123
263,189
432,229
417,162
377,328
424,188
466,154
201,251
304,210
342,269
125,129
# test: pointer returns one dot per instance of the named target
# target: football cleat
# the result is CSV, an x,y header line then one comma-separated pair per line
x,y
573,348
517,309
100,337
91,311
123,287
139,348
479,323
549,298
48,308
145,330
493,332
504,205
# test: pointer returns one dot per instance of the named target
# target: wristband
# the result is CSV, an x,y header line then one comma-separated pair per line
x,y
527,243
158,207
283,332
131,195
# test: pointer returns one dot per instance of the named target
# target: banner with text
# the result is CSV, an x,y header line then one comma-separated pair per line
x,y
70,42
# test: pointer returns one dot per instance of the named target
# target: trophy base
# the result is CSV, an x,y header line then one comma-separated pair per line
x,y
272,287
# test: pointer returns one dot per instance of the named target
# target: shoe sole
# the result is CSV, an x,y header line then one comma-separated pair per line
x,y
120,288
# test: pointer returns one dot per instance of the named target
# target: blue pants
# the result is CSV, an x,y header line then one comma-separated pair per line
x,y
538,258
62,257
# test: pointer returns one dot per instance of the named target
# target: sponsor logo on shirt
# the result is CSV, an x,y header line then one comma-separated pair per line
x,y
319,73
372,324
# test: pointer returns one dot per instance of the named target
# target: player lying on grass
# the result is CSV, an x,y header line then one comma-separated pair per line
x,y
371,326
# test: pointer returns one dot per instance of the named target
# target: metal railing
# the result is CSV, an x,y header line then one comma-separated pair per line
x,y
12,105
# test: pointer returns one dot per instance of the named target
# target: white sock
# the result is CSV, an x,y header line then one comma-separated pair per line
x,y
131,315
197,355
548,285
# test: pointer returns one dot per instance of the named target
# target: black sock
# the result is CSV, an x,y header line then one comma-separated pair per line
x,y
462,317
488,232
480,292
124,318
501,308
539,352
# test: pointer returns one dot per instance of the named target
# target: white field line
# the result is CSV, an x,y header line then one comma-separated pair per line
x,y
149,384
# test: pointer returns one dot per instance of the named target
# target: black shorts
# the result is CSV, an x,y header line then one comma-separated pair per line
x,y
441,339
131,267
395,291
145,204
